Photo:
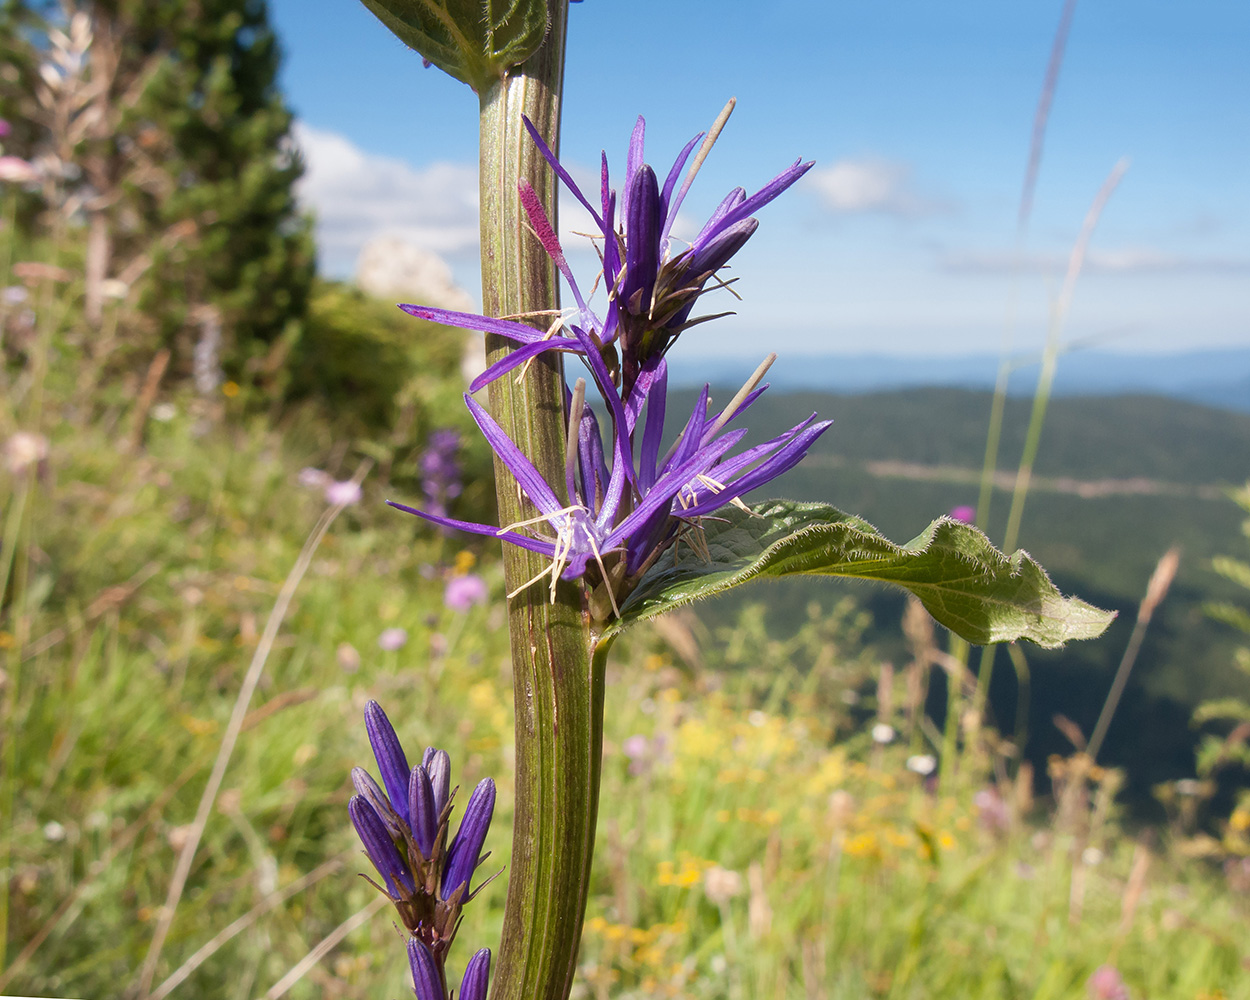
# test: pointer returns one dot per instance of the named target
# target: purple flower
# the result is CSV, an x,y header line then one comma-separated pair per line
x,y
5,128
651,290
621,519
343,493
440,470
392,639
428,983
314,478
403,824
1106,983
963,513
17,171
993,813
622,502
462,592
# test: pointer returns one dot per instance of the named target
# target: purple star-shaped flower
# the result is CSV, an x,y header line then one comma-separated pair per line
x,y
620,519
622,503
651,291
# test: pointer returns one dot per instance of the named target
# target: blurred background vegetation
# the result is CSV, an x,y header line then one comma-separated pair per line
x,y
789,808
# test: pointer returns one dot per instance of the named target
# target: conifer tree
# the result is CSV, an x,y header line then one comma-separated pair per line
x,y
187,175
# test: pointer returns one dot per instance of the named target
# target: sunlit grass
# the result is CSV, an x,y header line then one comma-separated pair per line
x,y
754,840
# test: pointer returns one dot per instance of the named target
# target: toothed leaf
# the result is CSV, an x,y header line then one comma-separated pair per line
x,y
476,41
962,580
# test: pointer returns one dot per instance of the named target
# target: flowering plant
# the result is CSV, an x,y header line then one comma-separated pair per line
x,y
620,528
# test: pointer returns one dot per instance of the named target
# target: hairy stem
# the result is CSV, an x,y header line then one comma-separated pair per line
x,y
559,702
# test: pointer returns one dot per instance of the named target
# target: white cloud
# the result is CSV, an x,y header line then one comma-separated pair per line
x,y
358,196
853,187
1113,260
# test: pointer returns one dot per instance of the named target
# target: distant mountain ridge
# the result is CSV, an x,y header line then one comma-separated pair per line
x,y
1218,378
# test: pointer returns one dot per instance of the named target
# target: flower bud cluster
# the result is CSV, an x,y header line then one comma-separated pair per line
x,y
404,824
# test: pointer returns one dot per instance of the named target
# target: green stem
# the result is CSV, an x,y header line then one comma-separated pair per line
x,y
558,695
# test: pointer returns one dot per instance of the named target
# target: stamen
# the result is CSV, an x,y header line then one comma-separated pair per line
x,y
708,142
748,387
533,313
542,517
551,332
532,580
607,581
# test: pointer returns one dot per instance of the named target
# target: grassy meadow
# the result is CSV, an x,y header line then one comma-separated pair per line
x,y
755,839
201,588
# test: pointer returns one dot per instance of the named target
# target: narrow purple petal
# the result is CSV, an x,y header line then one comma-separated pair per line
x,y
516,358
465,851
530,478
563,174
524,541
390,757
692,434
421,808
611,248
731,467
622,473
714,426
783,461
653,429
715,221
633,163
593,467
603,378
380,847
509,328
667,487
670,209
425,980
639,393
757,201
476,977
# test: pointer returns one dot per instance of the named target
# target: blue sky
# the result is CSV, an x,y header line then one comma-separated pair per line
x,y
918,116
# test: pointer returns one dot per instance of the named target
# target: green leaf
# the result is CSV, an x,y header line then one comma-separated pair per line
x,y
961,579
476,41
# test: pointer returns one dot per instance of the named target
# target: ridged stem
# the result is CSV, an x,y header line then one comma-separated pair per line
x,y
559,702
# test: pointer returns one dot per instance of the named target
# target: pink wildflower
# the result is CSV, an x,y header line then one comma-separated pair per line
x,y
463,592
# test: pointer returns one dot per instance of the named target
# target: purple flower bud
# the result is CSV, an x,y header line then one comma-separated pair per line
x,y
390,757
963,513
476,977
368,789
380,847
425,980
438,766
464,855
421,809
